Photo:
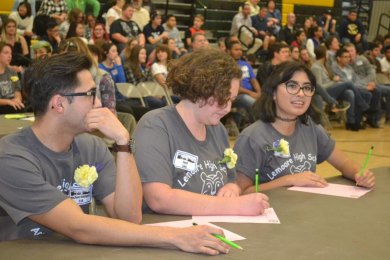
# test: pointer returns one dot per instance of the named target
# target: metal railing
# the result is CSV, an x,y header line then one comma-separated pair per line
x,y
382,24
202,4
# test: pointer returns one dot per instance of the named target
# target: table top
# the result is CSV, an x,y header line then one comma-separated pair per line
x,y
9,126
312,226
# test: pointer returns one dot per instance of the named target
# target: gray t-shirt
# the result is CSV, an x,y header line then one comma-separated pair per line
x,y
34,179
7,86
167,152
309,145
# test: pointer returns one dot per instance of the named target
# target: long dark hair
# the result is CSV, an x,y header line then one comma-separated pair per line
x,y
265,108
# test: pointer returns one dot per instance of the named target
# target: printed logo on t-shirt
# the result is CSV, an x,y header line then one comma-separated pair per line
x,y
81,195
300,168
245,72
185,161
211,182
37,231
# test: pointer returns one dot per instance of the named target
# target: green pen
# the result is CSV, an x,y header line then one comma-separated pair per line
x,y
224,239
257,181
366,161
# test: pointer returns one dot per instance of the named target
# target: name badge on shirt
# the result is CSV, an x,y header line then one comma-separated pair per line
x,y
359,63
185,161
81,195
114,72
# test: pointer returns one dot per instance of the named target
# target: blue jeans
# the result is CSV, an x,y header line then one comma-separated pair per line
x,y
348,92
385,90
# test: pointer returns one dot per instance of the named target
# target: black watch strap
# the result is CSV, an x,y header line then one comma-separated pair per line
x,y
128,148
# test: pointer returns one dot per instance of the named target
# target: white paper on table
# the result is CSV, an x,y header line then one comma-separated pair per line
x,y
332,189
269,216
189,223
29,118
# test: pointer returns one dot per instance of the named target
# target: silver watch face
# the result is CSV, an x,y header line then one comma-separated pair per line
x,y
132,145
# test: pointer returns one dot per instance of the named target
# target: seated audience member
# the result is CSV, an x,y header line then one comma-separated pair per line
x,y
74,16
125,54
300,39
99,34
18,2
287,33
176,53
19,45
385,61
10,89
249,89
124,28
332,43
243,19
315,40
57,9
114,13
366,75
24,19
263,27
141,15
308,24
110,63
199,41
77,29
274,16
89,25
52,34
306,59
170,26
159,68
327,23
280,53
154,31
82,5
195,28
373,56
253,5
339,90
368,91
180,148
42,164
286,128
42,50
137,72
351,30
294,50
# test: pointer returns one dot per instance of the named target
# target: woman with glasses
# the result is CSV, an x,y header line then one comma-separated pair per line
x,y
286,143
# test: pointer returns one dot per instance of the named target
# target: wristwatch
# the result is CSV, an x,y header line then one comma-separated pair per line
x,y
128,148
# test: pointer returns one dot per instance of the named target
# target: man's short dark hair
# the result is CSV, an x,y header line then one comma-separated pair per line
x,y
341,51
277,47
52,76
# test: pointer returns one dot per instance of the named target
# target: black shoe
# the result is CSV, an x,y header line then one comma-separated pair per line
x,y
352,127
373,124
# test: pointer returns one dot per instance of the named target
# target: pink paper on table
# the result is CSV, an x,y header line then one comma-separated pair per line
x,y
332,189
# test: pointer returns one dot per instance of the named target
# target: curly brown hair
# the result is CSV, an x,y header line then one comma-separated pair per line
x,y
202,74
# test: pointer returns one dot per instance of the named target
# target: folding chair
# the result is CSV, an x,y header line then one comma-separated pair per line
x,y
151,88
131,91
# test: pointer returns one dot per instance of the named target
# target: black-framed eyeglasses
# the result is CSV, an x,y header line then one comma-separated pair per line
x,y
91,93
293,88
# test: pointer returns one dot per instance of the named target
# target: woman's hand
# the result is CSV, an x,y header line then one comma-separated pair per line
x,y
229,190
366,180
306,179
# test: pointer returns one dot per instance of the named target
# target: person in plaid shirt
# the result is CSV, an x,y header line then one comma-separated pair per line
x,y
54,8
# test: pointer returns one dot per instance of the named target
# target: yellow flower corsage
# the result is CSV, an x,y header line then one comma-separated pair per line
x,y
85,175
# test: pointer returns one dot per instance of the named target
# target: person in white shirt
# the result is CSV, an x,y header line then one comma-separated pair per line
x,y
24,19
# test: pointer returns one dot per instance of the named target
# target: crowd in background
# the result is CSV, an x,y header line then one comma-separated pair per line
x,y
133,43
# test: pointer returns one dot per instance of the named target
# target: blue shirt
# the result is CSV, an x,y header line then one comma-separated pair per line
x,y
117,73
247,74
